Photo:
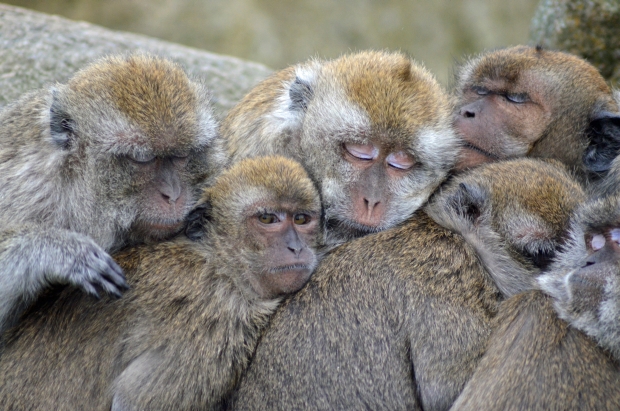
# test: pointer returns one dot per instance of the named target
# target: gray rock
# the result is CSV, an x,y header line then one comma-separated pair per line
x,y
37,49
587,28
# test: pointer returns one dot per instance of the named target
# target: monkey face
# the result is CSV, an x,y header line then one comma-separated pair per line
x,y
498,120
286,257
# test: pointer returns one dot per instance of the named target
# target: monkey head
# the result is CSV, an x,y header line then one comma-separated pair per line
x,y
263,214
373,129
584,280
525,101
143,134
515,214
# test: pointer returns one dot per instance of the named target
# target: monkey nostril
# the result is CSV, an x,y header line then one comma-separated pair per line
x,y
468,114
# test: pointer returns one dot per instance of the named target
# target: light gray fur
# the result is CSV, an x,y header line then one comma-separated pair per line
x,y
63,205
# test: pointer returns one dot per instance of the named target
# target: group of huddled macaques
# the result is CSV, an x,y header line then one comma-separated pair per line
x,y
349,237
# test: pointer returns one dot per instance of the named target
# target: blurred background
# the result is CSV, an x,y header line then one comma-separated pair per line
x,y
278,33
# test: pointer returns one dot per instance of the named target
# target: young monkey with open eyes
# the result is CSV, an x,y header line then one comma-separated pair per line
x,y
183,334
372,129
526,101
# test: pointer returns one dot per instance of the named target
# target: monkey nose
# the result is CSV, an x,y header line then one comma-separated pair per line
x,y
467,113
370,206
170,193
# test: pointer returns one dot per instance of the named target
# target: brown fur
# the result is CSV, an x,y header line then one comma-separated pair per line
x,y
181,336
310,111
116,156
535,361
564,100
400,319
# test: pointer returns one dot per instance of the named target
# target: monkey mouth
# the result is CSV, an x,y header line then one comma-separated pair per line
x,y
159,229
468,146
291,267
352,228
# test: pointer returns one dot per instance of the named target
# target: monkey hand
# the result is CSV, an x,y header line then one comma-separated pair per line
x,y
590,301
38,258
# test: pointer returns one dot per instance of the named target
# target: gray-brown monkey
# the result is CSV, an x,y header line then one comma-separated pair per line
x,y
526,101
399,319
181,336
537,361
585,281
113,157
372,129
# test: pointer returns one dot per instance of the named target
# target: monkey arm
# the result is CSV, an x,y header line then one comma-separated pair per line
x,y
31,259
590,302
189,370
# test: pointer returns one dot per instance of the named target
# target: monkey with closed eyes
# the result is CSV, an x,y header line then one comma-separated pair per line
x,y
111,158
400,319
527,101
182,335
372,129
543,353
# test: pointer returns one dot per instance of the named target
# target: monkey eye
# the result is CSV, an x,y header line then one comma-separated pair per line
x,y
301,219
615,235
362,151
268,218
481,91
517,97
400,160
141,157
597,242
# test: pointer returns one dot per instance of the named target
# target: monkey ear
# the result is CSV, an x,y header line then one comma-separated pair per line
x,y
197,220
468,201
62,126
300,93
604,144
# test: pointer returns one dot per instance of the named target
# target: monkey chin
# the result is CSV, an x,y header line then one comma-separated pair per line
x,y
283,280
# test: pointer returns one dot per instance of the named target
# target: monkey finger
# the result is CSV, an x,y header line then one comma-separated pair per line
x,y
88,288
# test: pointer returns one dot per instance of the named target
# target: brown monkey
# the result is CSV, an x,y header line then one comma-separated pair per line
x,y
585,282
536,361
180,338
526,101
111,158
372,129
399,319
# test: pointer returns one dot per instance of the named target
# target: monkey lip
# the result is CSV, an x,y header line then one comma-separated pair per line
x,y
161,228
286,268
469,146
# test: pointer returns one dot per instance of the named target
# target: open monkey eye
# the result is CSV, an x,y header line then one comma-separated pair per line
x,y
301,219
400,160
142,157
268,218
597,242
362,151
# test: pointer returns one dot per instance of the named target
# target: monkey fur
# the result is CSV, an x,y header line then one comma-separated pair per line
x,y
372,129
114,157
399,319
526,101
181,336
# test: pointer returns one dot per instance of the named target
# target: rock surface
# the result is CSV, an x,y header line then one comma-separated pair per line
x,y
588,28
37,49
